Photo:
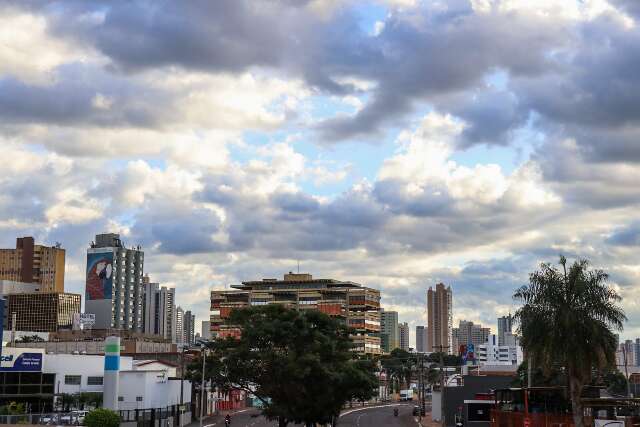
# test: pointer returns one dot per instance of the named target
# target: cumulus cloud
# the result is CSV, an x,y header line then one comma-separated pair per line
x,y
200,131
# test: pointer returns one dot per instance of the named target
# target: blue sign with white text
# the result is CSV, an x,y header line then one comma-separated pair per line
x,y
24,362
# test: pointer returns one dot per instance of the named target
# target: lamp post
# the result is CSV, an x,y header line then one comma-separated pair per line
x,y
202,387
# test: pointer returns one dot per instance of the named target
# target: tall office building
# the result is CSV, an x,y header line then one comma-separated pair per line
x,y
636,350
440,319
189,327
403,333
205,334
389,339
165,316
421,339
469,333
505,325
179,332
114,289
354,304
31,263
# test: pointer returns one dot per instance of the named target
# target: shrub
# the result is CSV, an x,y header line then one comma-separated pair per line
x,y
102,417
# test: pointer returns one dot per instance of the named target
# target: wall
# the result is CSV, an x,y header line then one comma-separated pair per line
x,y
154,387
454,397
84,365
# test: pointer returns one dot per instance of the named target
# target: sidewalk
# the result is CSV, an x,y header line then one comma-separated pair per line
x,y
428,422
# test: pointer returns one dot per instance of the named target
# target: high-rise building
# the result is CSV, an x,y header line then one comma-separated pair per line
x,y
469,333
491,353
31,263
636,349
42,311
389,339
114,288
205,334
356,305
149,307
626,355
189,327
403,333
179,331
421,339
505,324
440,319
165,316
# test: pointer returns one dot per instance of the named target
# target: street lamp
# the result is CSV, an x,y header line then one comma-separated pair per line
x,y
202,387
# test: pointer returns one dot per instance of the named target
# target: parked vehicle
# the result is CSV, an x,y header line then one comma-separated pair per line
x,y
406,395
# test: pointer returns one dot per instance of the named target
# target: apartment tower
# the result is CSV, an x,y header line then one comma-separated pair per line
x,y
440,319
403,333
31,263
421,339
505,324
114,289
389,339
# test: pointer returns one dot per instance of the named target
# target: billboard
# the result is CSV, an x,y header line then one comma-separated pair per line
x,y
83,321
21,360
99,276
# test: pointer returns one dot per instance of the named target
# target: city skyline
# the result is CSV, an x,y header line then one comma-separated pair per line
x,y
393,143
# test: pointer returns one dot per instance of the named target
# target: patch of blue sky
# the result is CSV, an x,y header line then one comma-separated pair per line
x,y
368,14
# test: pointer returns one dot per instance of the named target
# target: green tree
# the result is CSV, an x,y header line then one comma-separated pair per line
x,y
300,364
102,417
399,365
567,317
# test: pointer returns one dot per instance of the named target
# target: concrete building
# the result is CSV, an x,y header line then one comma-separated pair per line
x,y
626,355
389,330
469,333
205,334
421,339
159,309
189,327
403,333
440,319
114,288
32,263
357,305
149,307
42,311
179,332
505,325
491,353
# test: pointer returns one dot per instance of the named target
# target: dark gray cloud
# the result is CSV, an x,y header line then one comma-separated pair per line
x,y
626,236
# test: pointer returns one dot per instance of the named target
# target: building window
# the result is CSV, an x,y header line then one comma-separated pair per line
x,y
120,399
72,379
94,380
139,398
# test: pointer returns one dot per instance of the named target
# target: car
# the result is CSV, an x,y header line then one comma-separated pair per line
x,y
49,419
418,411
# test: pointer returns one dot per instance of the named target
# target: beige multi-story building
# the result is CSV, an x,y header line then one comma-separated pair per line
x,y
42,311
403,333
469,333
31,263
440,319
357,305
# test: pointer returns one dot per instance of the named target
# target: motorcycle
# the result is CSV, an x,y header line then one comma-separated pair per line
x,y
227,421
395,412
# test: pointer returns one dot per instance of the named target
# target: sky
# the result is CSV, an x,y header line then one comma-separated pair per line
x,y
394,143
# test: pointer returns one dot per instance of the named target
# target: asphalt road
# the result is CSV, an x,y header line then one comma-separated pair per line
x,y
379,417
357,417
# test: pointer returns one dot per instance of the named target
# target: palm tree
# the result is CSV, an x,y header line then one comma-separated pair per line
x,y
567,317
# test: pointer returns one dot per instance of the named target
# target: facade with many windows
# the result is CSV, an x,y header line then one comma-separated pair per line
x,y
32,263
42,311
357,305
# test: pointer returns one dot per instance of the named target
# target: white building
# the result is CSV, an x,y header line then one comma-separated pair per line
x,y
179,331
143,384
403,333
159,309
490,353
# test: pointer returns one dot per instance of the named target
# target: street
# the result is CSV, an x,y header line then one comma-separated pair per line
x,y
379,416
357,417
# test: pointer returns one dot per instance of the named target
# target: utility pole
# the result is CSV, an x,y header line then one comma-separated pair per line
x,y
202,388
181,388
442,414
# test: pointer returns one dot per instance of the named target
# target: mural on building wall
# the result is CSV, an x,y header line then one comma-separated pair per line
x,y
99,276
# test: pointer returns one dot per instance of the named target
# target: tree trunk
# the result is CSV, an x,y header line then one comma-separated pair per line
x,y
575,389
282,422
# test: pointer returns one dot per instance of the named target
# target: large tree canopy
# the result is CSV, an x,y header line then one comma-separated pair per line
x,y
568,317
299,363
